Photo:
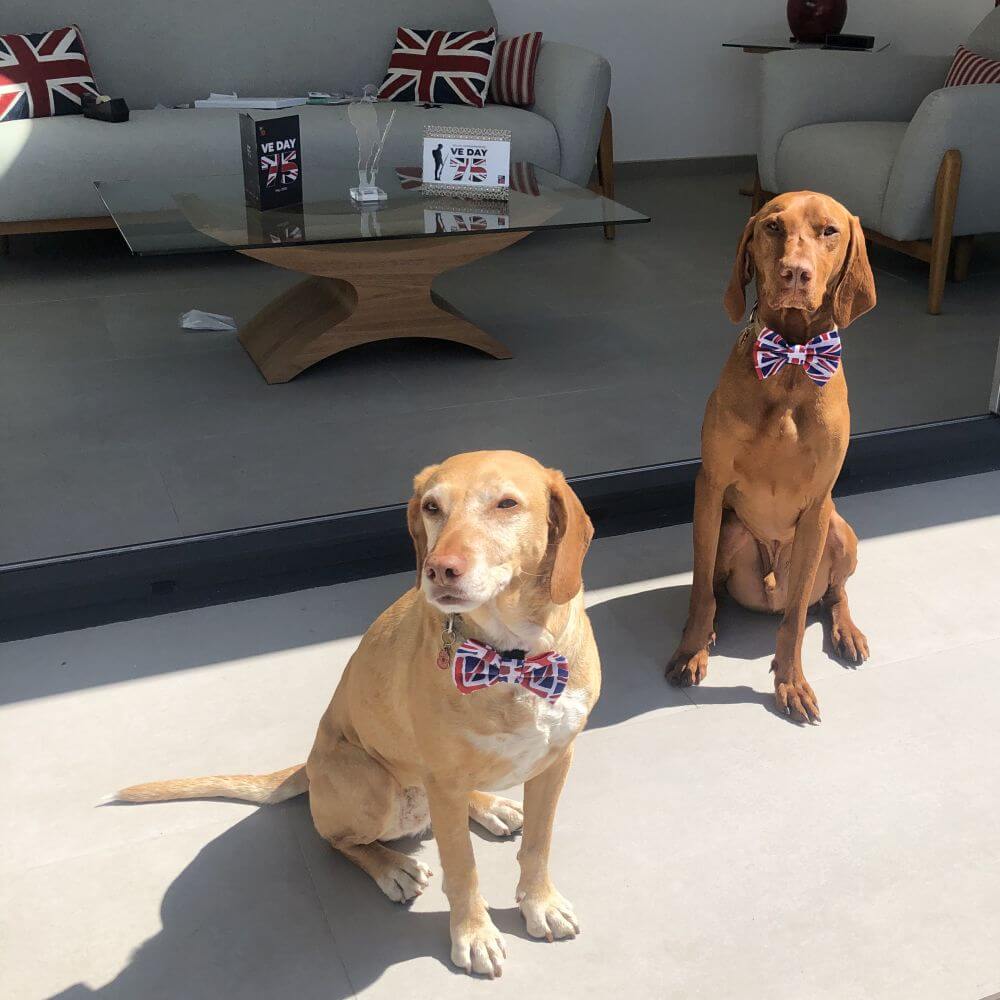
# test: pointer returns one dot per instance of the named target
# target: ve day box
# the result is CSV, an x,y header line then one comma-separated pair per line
x,y
272,163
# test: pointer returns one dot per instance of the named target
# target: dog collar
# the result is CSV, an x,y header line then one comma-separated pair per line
x,y
819,357
476,666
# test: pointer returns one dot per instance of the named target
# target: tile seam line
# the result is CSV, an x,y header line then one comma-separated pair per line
x,y
158,472
322,909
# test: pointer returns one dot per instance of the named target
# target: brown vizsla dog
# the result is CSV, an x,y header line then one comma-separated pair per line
x,y
414,736
773,441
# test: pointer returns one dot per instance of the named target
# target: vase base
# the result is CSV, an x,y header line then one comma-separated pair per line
x,y
368,192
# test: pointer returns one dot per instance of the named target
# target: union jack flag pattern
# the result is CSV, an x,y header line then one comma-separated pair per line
x,y
43,74
471,168
439,67
476,667
280,167
819,356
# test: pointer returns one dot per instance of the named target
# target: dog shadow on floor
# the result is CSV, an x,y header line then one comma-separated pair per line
x,y
267,909
637,634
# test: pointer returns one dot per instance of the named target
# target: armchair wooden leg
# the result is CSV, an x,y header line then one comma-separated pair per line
x,y
606,167
962,257
945,200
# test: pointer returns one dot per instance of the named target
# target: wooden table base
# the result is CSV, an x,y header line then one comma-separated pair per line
x,y
360,293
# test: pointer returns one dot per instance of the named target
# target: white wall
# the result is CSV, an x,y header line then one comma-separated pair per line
x,y
676,92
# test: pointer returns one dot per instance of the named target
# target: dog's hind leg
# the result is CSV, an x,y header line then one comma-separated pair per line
x,y
356,802
733,539
500,816
399,876
847,639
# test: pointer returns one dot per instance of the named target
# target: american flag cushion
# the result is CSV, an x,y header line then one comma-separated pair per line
x,y
440,67
43,74
514,70
968,68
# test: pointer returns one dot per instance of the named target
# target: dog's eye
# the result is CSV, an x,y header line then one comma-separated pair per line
x,y
507,503
772,226
830,230
430,507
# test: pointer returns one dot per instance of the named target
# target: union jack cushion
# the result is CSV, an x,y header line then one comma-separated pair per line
x,y
968,68
440,67
513,80
43,74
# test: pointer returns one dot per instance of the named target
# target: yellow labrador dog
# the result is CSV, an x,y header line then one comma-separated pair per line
x,y
476,680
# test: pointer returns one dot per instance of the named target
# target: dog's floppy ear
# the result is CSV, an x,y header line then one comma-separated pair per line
x,y
855,291
570,533
414,520
735,299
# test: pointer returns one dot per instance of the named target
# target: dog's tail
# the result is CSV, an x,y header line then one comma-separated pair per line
x,y
266,789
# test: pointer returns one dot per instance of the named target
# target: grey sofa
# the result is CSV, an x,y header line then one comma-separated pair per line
x,y
170,53
918,162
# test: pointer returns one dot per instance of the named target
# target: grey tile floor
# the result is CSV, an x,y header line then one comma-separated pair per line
x,y
712,849
117,427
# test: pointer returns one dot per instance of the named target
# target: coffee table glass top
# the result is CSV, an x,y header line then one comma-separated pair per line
x,y
209,213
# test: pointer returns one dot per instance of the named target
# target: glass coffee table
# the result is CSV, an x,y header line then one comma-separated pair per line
x,y
370,268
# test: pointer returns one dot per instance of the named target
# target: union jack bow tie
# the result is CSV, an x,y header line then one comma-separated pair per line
x,y
819,356
476,667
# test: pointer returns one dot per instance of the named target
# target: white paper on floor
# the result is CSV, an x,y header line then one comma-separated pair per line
x,y
195,319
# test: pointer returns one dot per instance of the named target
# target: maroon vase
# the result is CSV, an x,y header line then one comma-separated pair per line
x,y
813,20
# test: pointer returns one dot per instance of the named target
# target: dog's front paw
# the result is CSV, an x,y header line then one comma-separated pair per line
x,y
849,642
477,946
548,915
502,817
686,668
796,698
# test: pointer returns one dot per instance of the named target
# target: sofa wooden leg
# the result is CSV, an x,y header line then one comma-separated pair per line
x,y
757,194
606,167
962,257
945,200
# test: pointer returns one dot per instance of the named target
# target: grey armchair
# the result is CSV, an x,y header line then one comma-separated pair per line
x,y
918,162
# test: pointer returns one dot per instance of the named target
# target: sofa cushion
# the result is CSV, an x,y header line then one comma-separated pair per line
x,y
41,182
44,73
446,67
849,161
969,69
985,37
514,70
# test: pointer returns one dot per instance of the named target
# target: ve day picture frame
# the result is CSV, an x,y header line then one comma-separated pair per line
x,y
466,162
